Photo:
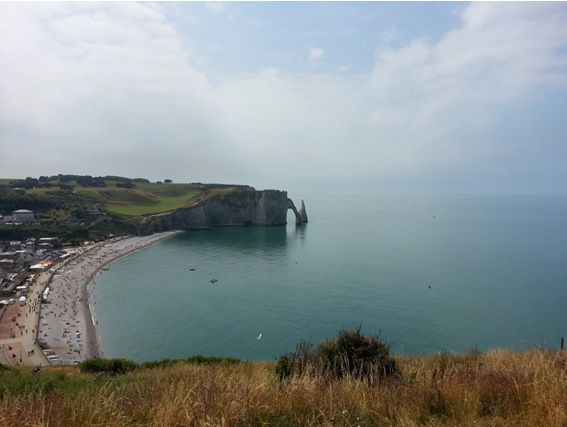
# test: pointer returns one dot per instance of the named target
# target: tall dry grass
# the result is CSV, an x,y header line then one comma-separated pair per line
x,y
498,388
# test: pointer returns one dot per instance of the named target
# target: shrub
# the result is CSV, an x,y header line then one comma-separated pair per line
x,y
108,366
193,360
164,363
284,367
212,360
125,185
351,354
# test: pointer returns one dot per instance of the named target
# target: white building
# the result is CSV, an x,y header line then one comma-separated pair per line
x,y
23,216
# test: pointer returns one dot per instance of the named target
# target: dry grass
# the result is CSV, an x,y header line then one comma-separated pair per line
x,y
498,388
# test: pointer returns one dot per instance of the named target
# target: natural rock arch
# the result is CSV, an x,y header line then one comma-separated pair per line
x,y
301,215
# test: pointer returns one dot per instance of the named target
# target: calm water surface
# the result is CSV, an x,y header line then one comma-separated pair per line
x,y
430,272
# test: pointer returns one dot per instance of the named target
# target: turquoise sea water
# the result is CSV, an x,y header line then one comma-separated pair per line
x,y
496,265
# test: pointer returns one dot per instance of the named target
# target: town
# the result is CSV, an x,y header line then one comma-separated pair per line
x,y
26,271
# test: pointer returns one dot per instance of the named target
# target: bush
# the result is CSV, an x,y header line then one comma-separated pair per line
x,y
125,185
284,367
164,363
351,354
108,366
193,360
211,360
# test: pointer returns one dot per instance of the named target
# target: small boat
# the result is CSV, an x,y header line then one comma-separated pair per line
x,y
213,280
191,269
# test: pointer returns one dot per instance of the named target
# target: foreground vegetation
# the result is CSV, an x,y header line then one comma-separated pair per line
x,y
498,388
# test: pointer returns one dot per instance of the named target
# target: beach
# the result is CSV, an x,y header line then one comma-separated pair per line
x,y
66,322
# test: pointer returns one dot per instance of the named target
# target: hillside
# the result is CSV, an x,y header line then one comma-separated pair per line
x,y
498,388
77,207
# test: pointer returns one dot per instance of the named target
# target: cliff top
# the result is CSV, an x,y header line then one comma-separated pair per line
x,y
109,204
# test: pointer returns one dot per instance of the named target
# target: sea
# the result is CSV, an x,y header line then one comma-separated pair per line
x,y
425,272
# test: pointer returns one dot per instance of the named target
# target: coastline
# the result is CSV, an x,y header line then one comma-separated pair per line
x,y
67,323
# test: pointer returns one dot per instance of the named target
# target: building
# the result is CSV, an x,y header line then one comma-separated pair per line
x,y
8,288
7,264
48,243
23,216
15,245
6,219
30,244
94,212
73,221
9,255
24,256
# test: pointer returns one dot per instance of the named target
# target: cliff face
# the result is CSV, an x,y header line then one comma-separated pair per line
x,y
237,208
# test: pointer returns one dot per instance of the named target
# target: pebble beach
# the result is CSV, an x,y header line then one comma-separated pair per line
x,y
67,324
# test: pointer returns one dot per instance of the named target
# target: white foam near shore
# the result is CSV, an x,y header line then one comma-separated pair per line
x,y
67,322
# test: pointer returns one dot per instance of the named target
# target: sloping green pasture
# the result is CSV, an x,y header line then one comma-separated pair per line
x,y
142,201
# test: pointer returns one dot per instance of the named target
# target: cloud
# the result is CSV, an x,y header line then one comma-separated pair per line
x,y
315,53
216,7
434,97
112,88
343,68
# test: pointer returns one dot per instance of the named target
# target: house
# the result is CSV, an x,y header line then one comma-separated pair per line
x,y
42,265
7,264
48,242
23,216
73,221
8,255
94,212
24,256
8,288
15,245
30,244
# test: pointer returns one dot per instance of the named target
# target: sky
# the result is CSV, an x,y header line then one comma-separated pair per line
x,y
341,96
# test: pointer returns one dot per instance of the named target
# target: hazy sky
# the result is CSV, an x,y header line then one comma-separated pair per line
x,y
454,97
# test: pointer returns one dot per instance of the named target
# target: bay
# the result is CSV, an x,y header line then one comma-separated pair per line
x,y
426,272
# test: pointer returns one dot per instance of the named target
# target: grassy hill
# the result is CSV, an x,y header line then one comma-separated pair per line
x,y
124,202
498,388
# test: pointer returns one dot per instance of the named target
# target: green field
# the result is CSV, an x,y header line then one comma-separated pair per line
x,y
59,198
137,202
143,199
